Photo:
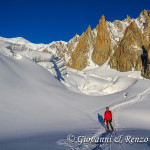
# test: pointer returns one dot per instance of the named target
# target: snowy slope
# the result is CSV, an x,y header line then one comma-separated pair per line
x,y
129,119
35,101
32,99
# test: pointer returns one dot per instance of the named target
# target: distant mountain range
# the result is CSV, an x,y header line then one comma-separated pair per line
x,y
120,43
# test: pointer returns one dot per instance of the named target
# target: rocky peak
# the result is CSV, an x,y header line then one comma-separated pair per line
x,y
127,55
145,13
88,31
102,46
134,35
79,56
102,20
102,24
89,35
128,19
74,39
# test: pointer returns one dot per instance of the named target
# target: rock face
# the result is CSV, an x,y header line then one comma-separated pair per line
x,y
146,73
147,28
72,44
148,54
102,46
146,69
60,48
80,55
127,55
122,42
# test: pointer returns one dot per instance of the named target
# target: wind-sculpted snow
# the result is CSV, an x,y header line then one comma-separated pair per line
x,y
37,56
90,83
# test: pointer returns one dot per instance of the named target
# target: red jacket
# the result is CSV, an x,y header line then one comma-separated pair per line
x,y
108,115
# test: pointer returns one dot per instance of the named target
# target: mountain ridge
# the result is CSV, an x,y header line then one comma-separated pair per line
x,y
116,41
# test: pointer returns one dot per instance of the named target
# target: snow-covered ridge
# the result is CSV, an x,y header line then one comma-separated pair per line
x,y
47,60
22,41
57,48
64,49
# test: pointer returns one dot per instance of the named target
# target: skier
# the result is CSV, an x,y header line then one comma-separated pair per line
x,y
108,119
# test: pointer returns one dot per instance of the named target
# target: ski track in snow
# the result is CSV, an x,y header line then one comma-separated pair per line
x,y
115,108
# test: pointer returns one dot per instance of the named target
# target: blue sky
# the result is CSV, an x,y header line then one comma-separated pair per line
x,y
44,21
